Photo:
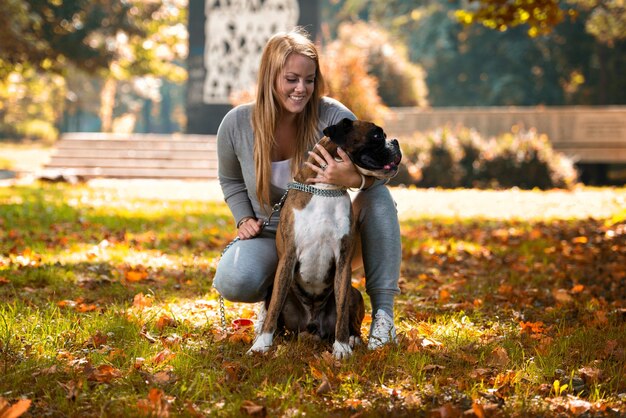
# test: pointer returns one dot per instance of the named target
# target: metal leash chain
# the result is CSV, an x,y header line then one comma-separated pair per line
x,y
275,209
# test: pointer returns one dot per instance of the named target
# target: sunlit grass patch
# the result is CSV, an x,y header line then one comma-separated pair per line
x,y
106,305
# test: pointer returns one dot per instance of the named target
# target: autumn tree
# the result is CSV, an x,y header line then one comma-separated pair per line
x,y
604,19
477,54
142,43
50,34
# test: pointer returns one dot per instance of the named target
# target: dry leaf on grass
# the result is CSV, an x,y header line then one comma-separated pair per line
x,y
252,409
156,405
499,357
163,355
15,410
165,321
104,373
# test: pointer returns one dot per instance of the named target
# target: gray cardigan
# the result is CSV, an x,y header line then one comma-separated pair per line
x,y
235,151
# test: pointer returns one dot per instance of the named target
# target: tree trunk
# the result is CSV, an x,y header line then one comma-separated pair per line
x,y
107,102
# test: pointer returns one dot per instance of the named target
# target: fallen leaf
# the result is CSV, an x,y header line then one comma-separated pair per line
x,y
243,335
86,307
136,275
478,410
66,304
578,406
316,373
162,356
139,361
532,327
156,404
163,377
142,301
46,371
600,318
146,334
562,296
252,409
479,373
71,388
446,411
103,373
498,358
165,321
98,339
590,374
427,342
432,367
234,371
15,410
505,289
323,387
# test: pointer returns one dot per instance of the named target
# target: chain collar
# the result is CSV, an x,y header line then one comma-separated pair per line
x,y
316,190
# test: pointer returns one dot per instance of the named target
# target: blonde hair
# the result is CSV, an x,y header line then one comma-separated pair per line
x,y
267,107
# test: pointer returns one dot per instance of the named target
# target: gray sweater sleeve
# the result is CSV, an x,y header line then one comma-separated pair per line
x,y
233,134
331,112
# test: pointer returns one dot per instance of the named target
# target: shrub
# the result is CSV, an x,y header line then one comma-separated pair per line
x,y
345,70
440,164
38,129
445,157
400,82
460,157
526,159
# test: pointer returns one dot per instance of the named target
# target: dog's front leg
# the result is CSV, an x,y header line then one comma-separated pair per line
x,y
341,346
282,283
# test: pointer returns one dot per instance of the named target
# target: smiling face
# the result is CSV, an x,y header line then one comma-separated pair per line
x,y
296,83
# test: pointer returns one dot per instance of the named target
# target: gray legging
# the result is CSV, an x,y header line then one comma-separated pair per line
x,y
246,270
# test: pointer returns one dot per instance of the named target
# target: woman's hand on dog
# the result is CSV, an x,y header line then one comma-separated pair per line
x,y
340,173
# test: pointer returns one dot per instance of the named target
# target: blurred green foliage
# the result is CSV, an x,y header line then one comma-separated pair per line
x,y
30,103
50,34
575,56
78,64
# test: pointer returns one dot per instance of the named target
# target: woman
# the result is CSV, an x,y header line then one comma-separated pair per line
x,y
261,144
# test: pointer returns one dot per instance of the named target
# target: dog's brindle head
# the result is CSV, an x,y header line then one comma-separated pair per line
x,y
367,146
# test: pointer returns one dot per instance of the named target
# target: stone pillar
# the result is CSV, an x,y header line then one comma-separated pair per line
x,y
226,38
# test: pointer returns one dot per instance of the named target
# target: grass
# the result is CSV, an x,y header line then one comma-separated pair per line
x,y
106,309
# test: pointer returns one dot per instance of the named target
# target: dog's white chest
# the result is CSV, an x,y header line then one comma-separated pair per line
x,y
318,230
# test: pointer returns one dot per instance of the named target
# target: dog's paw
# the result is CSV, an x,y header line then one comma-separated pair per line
x,y
341,350
354,341
262,344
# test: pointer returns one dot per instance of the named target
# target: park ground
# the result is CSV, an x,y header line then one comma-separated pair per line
x,y
512,304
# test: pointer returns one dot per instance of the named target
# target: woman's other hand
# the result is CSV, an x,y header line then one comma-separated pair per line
x,y
249,228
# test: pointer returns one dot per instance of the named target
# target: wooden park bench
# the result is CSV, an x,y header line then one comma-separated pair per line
x,y
85,155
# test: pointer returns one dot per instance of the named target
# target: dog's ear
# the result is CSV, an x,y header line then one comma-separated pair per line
x,y
338,132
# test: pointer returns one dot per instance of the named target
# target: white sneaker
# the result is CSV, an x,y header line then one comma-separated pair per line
x,y
382,330
261,313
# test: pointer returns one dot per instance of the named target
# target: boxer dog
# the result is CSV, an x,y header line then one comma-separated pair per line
x,y
312,289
